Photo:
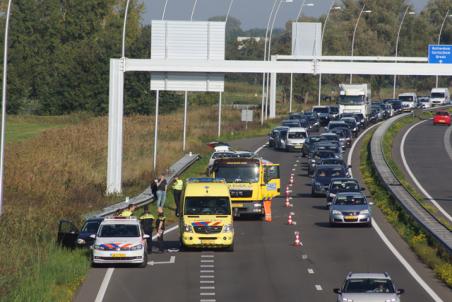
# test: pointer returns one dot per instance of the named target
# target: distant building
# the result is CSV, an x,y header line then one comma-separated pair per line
x,y
243,40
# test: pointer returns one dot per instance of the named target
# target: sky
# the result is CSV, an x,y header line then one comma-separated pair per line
x,y
252,13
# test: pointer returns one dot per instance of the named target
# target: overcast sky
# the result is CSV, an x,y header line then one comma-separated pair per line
x,y
252,13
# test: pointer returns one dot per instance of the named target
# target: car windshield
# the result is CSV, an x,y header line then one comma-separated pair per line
x,y
334,110
325,154
442,113
330,137
332,161
91,227
350,200
297,134
223,155
238,173
314,139
119,230
330,173
207,206
438,95
406,98
336,125
321,110
351,100
425,100
293,123
384,286
345,185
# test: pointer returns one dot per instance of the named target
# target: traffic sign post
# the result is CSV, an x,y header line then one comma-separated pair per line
x,y
440,54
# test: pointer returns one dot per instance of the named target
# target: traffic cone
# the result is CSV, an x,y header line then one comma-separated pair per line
x,y
268,209
287,203
297,241
289,220
291,179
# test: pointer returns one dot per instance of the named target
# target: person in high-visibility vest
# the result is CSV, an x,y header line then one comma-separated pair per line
x,y
147,220
177,192
128,211
160,226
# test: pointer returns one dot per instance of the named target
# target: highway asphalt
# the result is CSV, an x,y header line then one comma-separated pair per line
x,y
265,266
427,157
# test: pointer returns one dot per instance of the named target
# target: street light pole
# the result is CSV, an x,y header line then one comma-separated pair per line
x,y
303,4
269,53
229,10
397,48
439,36
193,10
164,10
265,59
5,70
123,52
323,35
354,33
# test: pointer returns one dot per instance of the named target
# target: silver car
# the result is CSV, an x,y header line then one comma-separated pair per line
x,y
350,208
368,287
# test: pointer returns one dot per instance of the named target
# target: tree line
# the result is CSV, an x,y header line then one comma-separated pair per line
x,y
59,50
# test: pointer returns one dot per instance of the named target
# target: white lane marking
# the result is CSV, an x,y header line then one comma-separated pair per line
x,y
207,294
207,265
318,287
352,148
104,285
310,271
172,260
207,256
107,277
206,261
260,148
207,271
388,243
304,257
207,276
416,182
208,300
207,281
207,287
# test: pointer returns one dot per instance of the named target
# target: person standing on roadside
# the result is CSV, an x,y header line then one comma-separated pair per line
x,y
147,221
161,192
154,187
160,226
177,192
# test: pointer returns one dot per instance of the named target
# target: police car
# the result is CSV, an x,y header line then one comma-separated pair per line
x,y
120,240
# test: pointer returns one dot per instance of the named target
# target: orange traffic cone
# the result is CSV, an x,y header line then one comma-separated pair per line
x,y
268,209
289,220
287,203
291,178
297,242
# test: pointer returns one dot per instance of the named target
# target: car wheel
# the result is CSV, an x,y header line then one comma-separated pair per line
x,y
230,248
332,224
313,193
145,260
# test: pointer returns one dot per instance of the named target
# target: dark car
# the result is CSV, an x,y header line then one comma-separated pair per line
x,y
324,114
71,237
339,185
362,120
294,123
334,112
309,144
335,124
313,119
334,161
272,136
299,117
317,157
395,103
352,124
322,178
345,136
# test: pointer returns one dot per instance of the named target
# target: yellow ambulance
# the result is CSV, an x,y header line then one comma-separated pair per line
x,y
206,220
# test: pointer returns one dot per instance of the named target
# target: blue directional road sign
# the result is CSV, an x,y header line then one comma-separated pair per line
x,y
440,54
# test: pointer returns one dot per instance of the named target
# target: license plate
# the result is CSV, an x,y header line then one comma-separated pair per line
x,y
118,255
350,217
298,147
237,205
207,241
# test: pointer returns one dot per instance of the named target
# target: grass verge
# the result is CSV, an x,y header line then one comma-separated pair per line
x,y
424,246
388,138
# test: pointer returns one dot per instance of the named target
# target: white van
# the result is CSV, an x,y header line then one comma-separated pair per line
x,y
440,96
295,139
409,101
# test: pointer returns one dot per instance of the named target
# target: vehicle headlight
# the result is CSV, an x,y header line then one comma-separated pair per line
x,y
347,300
188,228
81,241
99,247
332,195
317,184
136,247
365,212
312,161
228,228
336,212
391,300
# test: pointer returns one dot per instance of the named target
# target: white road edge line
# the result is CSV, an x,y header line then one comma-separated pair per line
x,y
447,144
388,243
416,182
103,287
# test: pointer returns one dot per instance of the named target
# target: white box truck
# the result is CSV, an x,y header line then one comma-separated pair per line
x,y
355,98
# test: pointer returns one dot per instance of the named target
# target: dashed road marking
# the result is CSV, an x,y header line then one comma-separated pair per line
x,y
207,281
206,265
310,271
207,271
304,256
318,287
207,277
206,261
207,287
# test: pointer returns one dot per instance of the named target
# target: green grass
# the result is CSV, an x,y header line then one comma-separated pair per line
x,y
388,138
424,246
19,128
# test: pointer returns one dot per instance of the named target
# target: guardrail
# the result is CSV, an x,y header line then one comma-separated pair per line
x,y
429,223
146,196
